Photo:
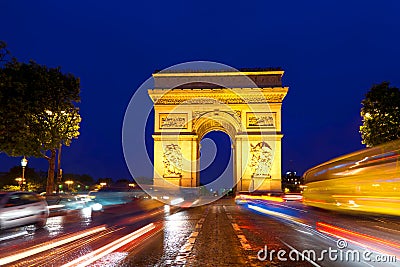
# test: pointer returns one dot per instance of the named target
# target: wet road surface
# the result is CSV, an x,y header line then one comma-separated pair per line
x,y
256,233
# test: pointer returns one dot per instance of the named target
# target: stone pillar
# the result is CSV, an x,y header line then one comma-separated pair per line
x,y
258,162
175,160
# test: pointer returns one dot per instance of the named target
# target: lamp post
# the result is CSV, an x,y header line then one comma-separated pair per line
x,y
24,162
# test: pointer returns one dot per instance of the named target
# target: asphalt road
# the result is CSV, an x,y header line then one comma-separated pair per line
x,y
255,233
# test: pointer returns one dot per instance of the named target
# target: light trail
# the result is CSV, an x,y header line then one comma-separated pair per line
x,y
13,235
105,250
279,215
335,230
50,245
362,240
245,198
143,217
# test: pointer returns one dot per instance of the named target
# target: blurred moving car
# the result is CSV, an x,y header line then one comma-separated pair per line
x,y
114,195
22,208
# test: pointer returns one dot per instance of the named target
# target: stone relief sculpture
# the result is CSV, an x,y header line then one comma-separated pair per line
x,y
172,161
261,159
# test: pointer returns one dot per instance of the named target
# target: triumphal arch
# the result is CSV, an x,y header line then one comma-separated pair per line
x,y
244,104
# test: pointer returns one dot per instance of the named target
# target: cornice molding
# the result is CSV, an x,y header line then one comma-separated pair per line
x,y
217,73
212,96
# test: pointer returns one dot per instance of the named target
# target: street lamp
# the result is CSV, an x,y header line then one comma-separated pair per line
x,y
24,162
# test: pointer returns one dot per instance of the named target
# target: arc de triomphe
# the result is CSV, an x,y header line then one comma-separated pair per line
x,y
244,104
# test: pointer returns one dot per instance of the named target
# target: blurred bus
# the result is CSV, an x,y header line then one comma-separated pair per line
x,y
367,181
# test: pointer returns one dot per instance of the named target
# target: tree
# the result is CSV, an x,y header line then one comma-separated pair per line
x,y
38,111
82,178
4,52
381,115
33,179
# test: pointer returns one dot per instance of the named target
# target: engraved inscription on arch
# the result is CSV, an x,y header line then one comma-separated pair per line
x,y
260,120
173,120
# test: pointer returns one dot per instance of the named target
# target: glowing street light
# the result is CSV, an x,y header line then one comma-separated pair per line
x,y
24,162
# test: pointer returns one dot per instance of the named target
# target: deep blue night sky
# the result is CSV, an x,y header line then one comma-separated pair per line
x,y
332,53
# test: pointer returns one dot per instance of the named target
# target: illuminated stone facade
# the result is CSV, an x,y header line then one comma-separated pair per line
x,y
246,105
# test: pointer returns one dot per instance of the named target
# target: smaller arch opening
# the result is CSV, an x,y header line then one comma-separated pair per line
x,y
216,163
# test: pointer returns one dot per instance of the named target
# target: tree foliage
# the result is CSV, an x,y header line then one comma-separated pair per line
x,y
38,110
381,115
35,181
82,178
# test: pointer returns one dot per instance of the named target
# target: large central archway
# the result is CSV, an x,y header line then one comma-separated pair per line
x,y
216,164
245,105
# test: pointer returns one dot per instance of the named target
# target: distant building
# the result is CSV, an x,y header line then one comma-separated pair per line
x,y
291,182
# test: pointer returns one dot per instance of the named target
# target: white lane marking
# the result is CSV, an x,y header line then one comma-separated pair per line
x,y
244,242
194,234
242,238
186,249
235,226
